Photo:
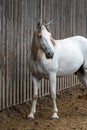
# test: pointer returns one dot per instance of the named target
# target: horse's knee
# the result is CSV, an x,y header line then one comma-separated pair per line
x,y
35,97
53,95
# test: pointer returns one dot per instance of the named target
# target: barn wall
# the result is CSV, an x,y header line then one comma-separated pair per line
x,y
18,19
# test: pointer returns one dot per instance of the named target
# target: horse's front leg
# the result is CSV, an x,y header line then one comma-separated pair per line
x,y
52,79
36,84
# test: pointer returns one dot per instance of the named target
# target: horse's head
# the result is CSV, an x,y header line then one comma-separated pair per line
x,y
44,40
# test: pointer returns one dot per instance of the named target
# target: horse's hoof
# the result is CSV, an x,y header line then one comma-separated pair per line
x,y
55,117
30,117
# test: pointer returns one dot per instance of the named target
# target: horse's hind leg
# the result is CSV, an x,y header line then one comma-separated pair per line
x,y
85,74
82,75
36,83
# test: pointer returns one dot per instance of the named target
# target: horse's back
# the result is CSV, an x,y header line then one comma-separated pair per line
x,y
78,43
73,39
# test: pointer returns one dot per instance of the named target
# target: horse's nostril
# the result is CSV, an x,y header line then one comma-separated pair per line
x,y
50,55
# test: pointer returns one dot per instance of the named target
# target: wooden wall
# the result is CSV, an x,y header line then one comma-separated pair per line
x,y
18,20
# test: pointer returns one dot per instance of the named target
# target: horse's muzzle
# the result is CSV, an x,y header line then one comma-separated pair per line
x,y
49,55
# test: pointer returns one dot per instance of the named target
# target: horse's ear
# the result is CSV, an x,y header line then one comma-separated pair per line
x,y
47,25
39,25
48,28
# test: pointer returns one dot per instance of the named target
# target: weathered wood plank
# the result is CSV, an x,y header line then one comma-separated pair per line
x,y
0,90
3,56
11,52
28,50
0,30
18,51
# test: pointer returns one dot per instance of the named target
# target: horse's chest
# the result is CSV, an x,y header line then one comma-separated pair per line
x,y
38,70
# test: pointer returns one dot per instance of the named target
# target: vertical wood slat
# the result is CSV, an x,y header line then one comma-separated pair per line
x,y
18,54
6,54
0,49
28,52
0,90
24,50
21,56
10,39
3,55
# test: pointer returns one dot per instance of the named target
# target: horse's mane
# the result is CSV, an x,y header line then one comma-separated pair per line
x,y
35,51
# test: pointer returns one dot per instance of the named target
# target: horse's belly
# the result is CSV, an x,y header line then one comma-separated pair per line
x,y
70,67
65,72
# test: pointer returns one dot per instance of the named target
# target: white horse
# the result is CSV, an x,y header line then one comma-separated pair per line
x,y
51,58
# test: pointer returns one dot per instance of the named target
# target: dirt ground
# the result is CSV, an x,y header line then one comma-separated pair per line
x,y
72,105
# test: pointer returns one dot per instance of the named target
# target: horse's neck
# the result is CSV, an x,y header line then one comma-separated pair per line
x,y
34,51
